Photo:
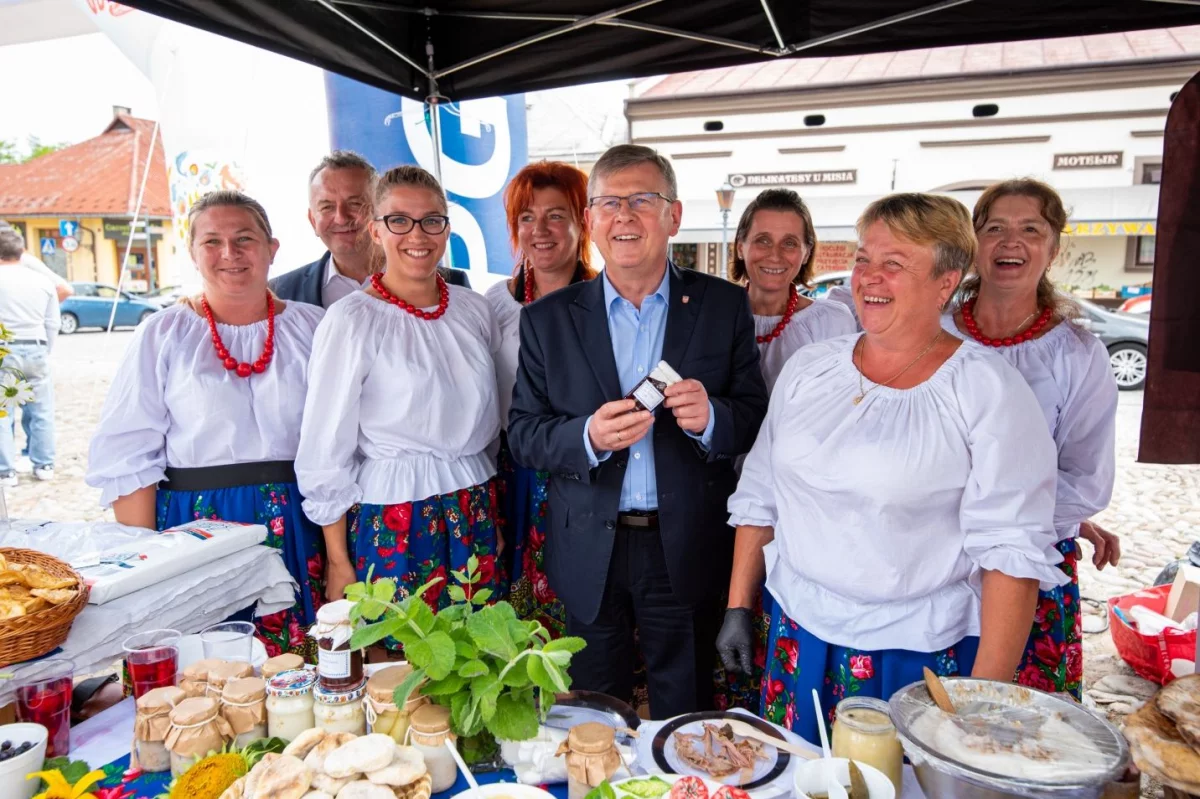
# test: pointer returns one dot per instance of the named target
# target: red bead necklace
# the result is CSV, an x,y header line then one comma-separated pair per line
x,y
443,299
793,301
242,369
1007,341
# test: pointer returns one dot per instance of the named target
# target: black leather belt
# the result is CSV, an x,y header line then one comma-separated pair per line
x,y
645,519
233,475
26,342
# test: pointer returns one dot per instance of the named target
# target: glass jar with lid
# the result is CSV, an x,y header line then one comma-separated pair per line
x,y
281,663
429,729
340,711
592,757
863,731
150,727
290,704
383,716
339,667
222,671
243,704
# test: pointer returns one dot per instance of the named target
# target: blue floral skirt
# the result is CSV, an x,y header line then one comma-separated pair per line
x,y
302,544
523,508
798,662
1053,659
415,542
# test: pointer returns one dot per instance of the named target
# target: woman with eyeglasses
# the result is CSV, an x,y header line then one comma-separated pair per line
x,y
401,411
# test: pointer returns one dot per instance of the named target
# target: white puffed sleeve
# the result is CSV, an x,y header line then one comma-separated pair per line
x,y
1086,438
753,502
844,295
128,451
1007,510
326,460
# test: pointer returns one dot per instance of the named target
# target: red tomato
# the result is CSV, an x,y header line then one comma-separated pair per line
x,y
689,788
729,792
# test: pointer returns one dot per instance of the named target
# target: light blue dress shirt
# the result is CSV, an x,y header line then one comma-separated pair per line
x,y
637,342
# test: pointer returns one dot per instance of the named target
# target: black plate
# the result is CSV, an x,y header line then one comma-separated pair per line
x,y
664,735
577,707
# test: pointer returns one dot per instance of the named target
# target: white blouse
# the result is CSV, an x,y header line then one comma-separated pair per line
x,y
885,513
1069,372
173,403
820,320
508,319
399,408
844,295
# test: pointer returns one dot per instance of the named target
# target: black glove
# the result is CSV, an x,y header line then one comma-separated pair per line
x,y
735,642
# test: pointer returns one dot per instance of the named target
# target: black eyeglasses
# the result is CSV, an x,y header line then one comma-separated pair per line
x,y
640,203
401,223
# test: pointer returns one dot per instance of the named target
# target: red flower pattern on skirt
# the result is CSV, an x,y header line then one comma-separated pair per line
x,y
862,667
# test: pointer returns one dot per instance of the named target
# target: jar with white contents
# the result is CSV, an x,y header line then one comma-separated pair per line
x,y
428,731
340,711
290,704
863,731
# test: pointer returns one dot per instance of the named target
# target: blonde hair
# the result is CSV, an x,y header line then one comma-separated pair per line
x,y
1052,210
227,199
929,220
399,177
775,200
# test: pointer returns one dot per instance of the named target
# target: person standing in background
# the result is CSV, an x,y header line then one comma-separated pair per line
x,y
29,309
339,198
61,287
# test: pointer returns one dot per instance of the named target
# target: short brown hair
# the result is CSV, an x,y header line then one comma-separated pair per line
x,y
1052,210
12,246
929,220
227,199
624,156
407,175
775,200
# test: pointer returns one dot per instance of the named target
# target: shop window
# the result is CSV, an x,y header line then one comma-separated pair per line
x,y
1139,256
1151,173
684,255
1147,170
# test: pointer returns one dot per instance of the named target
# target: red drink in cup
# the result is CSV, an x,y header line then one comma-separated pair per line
x,y
152,659
47,701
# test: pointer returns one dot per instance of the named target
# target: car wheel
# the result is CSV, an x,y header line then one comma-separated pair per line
x,y
1129,365
145,315
69,324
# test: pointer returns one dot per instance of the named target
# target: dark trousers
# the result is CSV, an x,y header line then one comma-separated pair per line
x,y
676,639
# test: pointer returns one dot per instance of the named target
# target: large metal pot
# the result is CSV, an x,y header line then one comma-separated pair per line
x,y
943,777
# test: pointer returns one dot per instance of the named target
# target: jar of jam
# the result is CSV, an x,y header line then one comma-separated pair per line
x,y
338,667
648,394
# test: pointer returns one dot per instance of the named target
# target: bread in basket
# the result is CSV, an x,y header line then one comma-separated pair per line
x,y
40,596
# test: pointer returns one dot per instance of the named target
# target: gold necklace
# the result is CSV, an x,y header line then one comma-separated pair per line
x,y
863,392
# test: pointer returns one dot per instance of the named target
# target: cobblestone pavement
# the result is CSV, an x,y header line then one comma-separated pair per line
x,y
1155,509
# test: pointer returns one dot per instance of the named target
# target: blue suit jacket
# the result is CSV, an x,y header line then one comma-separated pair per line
x,y
567,371
304,284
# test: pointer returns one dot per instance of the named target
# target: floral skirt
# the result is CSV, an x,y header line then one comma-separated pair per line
x,y
523,508
745,690
800,662
1053,659
415,542
302,544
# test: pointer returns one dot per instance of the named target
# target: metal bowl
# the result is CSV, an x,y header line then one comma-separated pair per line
x,y
943,777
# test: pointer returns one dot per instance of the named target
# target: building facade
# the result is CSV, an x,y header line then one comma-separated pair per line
x,y
1085,114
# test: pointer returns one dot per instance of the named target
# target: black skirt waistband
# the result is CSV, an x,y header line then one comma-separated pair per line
x,y
233,475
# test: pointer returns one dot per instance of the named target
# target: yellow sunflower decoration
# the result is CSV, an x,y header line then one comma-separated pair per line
x,y
59,788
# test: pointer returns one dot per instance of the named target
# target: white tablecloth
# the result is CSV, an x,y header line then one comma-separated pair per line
x,y
187,603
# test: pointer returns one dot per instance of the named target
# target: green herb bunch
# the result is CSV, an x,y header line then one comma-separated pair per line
x,y
493,670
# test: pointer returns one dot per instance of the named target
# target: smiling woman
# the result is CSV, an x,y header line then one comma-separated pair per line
x,y
161,455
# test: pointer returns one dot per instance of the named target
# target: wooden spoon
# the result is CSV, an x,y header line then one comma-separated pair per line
x,y
938,692
746,731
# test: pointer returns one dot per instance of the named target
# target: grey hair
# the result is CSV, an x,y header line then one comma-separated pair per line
x,y
342,159
12,246
624,156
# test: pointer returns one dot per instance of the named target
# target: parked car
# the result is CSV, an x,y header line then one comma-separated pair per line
x,y
164,296
1136,305
821,284
1125,335
92,306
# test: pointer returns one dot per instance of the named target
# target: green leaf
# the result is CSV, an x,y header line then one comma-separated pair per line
x,y
460,575
601,791
463,648
419,653
422,616
515,720
482,596
559,658
404,689
489,629
374,633
473,668
464,715
545,675
383,589
519,633
473,566
486,688
565,644
441,661
448,686
72,770
457,594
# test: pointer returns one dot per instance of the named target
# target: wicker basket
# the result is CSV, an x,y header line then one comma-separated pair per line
x,y
28,637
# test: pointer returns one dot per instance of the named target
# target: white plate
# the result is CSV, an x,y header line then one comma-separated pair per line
x,y
810,778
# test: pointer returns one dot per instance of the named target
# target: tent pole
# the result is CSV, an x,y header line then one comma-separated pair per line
x,y
774,28
435,129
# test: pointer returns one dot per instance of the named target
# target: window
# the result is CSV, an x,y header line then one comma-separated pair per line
x,y
1151,173
106,292
84,289
1144,253
1147,169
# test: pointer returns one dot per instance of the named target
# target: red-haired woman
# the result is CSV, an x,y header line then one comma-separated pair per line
x,y
544,203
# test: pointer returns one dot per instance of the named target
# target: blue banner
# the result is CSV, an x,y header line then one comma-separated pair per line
x,y
483,145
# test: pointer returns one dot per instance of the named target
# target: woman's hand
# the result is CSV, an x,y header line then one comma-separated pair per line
x,y
337,577
1106,544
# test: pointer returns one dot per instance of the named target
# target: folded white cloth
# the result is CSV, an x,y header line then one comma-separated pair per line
x,y
535,762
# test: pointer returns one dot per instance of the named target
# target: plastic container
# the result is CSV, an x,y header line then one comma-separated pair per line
x,y
47,701
863,732
13,784
340,711
152,659
290,704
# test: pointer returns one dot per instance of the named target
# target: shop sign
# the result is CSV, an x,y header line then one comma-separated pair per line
x,y
1087,160
1111,229
753,180
121,228
833,256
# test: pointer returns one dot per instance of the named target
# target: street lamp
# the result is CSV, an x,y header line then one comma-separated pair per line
x,y
725,201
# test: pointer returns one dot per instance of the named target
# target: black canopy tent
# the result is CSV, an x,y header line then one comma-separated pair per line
x,y
476,48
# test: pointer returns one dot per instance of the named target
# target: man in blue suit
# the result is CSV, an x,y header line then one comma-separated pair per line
x,y
637,522
339,206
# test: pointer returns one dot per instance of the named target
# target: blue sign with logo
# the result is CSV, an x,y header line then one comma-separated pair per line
x,y
483,145
68,229
47,246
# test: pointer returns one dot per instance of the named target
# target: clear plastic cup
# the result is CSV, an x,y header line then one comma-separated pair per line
x,y
229,640
152,659
46,700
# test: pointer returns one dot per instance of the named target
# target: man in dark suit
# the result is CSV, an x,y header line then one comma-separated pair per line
x,y
637,521
339,206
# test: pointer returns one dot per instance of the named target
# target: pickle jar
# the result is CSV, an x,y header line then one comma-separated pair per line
x,y
383,716
290,704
